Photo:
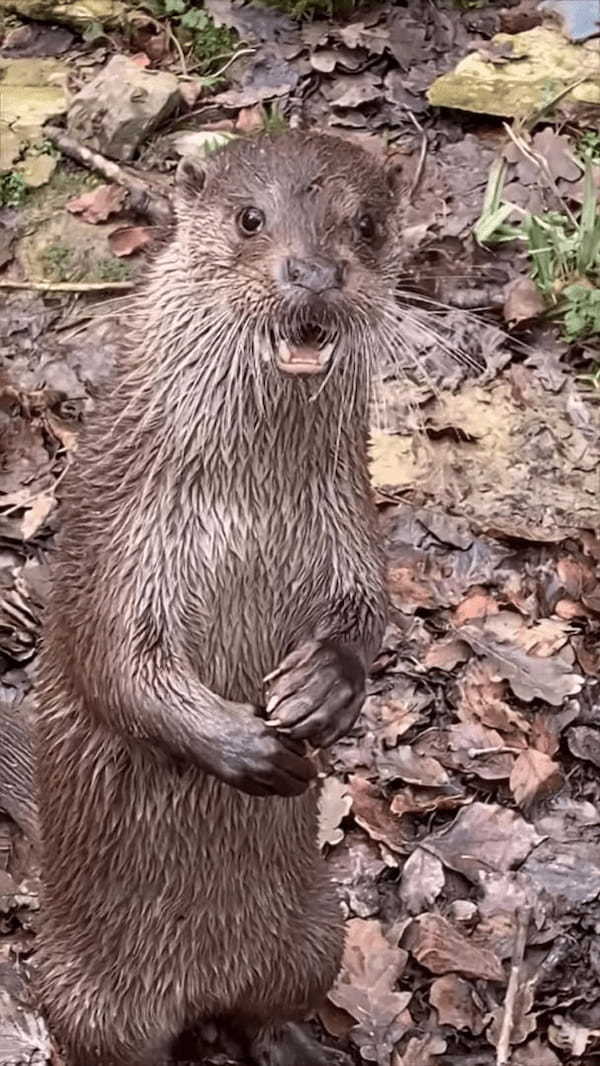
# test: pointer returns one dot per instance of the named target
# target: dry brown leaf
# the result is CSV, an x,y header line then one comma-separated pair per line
x,y
534,776
568,1036
372,812
534,1054
356,869
422,880
421,1051
441,948
523,301
365,989
546,637
337,1022
523,1021
251,119
62,430
483,838
414,767
446,654
477,604
584,743
482,697
37,514
129,239
456,1003
529,676
469,747
414,800
335,803
97,205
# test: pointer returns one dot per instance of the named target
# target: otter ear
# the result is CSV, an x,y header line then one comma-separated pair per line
x,y
190,178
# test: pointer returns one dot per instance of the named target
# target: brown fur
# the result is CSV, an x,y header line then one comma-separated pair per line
x,y
217,516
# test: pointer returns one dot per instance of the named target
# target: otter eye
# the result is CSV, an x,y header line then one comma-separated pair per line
x,y
250,221
366,227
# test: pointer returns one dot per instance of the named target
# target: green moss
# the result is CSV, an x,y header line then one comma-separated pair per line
x,y
57,260
13,190
112,270
315,8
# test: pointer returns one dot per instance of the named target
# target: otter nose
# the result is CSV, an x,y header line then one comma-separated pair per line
x,y
316,273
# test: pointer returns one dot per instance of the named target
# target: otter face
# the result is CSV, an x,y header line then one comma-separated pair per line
x,y
302,239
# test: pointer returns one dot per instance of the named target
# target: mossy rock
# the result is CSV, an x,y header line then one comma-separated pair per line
x,y
544,65
76,13
30,93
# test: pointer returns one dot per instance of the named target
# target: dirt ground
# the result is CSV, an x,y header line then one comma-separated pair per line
x,y
461,819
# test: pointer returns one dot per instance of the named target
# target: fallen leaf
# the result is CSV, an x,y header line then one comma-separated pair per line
x,y
372,812
422,880
477,604
446,654
356,869
37,514
140,59
523,301
365,989
441,948
483,837
335,803
584,743
469,747
482,697
456,1004
414,800
523,1024
414,767
337,1022
97,205
569,873
129,239
529,676
534,1054
534,776
421,1051
568,1035
251,119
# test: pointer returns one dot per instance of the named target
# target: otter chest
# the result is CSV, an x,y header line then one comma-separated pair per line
x,y
269,574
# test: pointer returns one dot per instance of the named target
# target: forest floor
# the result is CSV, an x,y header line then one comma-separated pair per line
x,y
461,819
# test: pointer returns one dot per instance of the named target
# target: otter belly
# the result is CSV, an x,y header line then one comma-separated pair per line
x,y
158,875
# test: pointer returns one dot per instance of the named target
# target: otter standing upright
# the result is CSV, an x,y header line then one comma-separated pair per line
x,y
218,528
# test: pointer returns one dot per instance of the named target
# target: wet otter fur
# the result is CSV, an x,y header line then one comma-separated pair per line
x,y
217,528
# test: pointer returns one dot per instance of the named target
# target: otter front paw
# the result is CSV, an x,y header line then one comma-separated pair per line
x,y
253,759
316,693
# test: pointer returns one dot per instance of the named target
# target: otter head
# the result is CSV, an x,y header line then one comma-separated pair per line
x,y
296,234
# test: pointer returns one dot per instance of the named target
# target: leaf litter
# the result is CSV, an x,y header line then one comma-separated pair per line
x,y
467,799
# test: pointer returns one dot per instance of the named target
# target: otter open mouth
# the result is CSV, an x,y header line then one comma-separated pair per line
x,y
307,352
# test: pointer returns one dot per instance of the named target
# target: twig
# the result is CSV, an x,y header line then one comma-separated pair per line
x,y
508,1020
141,197
500,749
66,286
174,38
422,154
230,60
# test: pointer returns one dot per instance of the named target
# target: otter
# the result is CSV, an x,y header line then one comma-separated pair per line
x,y
217,599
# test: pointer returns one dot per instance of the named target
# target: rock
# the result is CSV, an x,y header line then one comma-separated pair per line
x,y
10,147
519,87
120,107
30,93
37,170
77,13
